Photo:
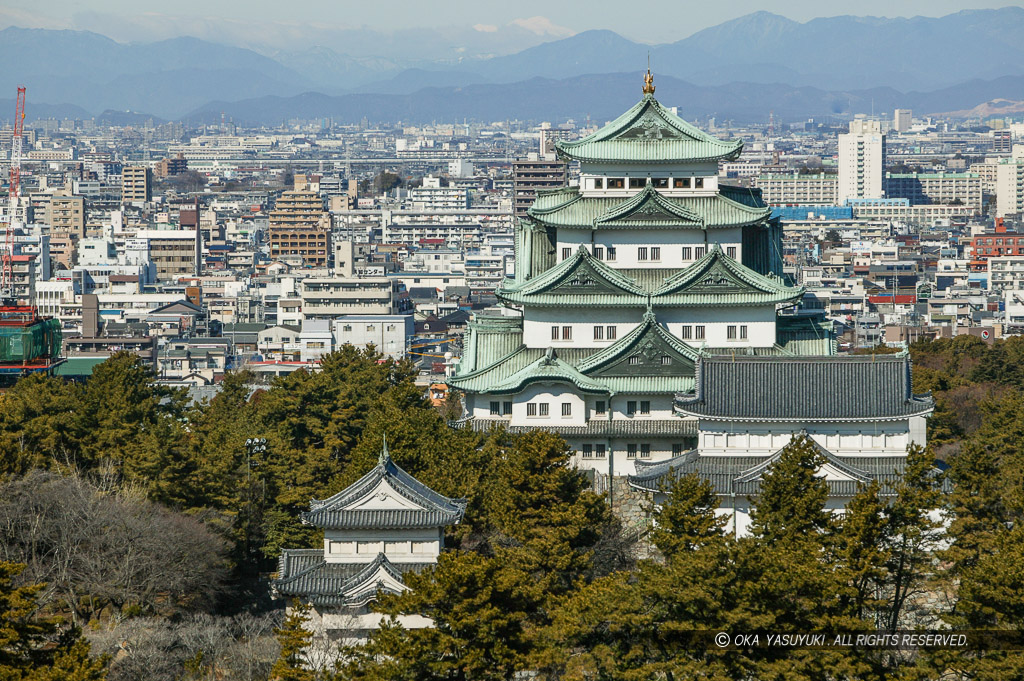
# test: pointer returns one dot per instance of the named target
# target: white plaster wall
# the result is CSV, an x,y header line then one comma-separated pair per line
x,y
400,546
537,323
760,322
626,242
844,439
554,395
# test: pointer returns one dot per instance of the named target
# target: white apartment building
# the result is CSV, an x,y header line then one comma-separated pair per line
x,y
861,159
1009,187
798,189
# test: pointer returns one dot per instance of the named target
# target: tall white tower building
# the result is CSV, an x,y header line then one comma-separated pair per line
x,y
902,120
861,158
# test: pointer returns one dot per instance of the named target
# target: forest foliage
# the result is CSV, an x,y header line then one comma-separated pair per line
x,y
141,518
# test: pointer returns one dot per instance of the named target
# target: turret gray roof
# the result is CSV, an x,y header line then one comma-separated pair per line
x,y
805,389
434,510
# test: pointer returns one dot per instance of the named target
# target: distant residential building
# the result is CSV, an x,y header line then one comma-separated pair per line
x,y
171,166
299,227
136,184
902,120
935,188
1010,187
66,216
799,189
531,176
389,334
174,252
332,297
433,197
861,159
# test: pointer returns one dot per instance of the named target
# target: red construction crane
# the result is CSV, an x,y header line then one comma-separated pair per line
x,y
7,268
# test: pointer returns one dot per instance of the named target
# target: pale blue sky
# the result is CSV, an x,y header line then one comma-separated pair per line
x,y
278,23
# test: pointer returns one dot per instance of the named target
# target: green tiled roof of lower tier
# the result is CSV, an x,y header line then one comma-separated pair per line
x,y
624,427
724,209
525,365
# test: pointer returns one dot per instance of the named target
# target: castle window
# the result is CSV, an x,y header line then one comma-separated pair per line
x,y
636,183
699,332
610,332
660,182
506,408
598,183
645,451
686,333
655,252
631,408
588,451
743,332
566,408
730,251
598,252
698,183
616,183
599,407
635,359
544,409
611,253
531,409
641,253
630,451
681,183
598,333
599,450
687,252
665,359
495,409
645,407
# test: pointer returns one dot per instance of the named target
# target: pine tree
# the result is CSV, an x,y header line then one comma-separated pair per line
x,y
791,503
687,520
294,638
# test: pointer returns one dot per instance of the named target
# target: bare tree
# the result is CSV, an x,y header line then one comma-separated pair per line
x,y
115,549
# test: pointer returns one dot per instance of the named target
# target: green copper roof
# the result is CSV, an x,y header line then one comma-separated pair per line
x,y
650,209
584,281
647,208
649,133
643,351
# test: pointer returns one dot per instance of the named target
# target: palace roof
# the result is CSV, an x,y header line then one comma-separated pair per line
x,y
385,498
737,474
649,133
713,280
304,573
650,209
805,389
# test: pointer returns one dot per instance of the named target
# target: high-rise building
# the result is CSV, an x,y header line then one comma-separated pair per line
x,y
136,184
67,216
861,159
532,175
902,120
1010,187
299,226
171,166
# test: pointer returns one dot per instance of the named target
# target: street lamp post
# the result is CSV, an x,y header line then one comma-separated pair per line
x,y
252,446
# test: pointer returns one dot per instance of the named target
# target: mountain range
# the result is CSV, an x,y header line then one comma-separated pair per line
x,y
739,69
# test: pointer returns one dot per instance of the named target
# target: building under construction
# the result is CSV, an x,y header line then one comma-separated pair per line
x,y
28,343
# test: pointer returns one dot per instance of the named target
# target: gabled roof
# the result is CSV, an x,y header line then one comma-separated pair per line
x,y
649,133
643,351
728,208
581,274
805,389
742,474
713,280
404,502
304,573
548,367
648,208
723,280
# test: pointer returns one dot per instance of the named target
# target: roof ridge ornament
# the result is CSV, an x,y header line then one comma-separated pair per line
x,y
649,79
384,456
